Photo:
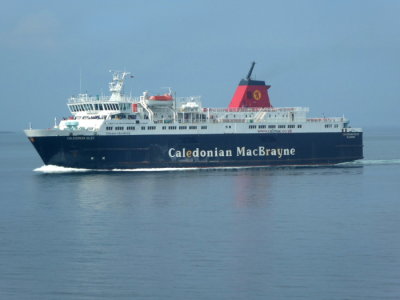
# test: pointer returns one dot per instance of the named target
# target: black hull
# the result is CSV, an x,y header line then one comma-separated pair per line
x,y
198,151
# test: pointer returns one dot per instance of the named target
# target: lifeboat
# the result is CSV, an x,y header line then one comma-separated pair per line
x,y
165,99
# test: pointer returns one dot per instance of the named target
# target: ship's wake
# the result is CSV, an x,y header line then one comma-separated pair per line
x,y
370,162
52,169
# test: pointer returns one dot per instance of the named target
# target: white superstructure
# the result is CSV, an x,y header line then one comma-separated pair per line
x,y
165,114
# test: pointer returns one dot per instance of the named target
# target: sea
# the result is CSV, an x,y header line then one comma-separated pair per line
x,y
238,233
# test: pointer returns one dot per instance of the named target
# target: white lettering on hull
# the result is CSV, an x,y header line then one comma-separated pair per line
x,y
240,152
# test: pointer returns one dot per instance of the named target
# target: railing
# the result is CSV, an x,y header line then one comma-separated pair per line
x,y
85,98
258,109
90,99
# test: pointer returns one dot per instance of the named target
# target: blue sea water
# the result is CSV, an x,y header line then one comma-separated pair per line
x,y
262,233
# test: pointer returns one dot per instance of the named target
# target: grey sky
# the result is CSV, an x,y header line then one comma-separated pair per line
x,y
336,57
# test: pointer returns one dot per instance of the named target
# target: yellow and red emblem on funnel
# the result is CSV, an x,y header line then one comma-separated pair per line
x,y
257,95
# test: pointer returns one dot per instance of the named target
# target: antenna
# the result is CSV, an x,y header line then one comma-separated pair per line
x,y
169,89
251,70
80,80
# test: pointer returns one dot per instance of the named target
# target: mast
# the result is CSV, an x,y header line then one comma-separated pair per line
x,y
117,85
251,70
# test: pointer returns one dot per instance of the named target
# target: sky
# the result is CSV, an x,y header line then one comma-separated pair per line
x,y
336,57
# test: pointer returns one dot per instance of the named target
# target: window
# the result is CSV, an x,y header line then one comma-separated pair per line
x,y
143,128
130,128
192,127
119,128
182,127
299,126
151,127
252,126
281,126
164,127
291,126
336,125
271,126
109,128
203,127
262,126
172,127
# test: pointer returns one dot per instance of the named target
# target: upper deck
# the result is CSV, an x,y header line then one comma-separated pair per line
x,y
120,112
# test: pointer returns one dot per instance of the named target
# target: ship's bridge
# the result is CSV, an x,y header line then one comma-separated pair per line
x,y
85,104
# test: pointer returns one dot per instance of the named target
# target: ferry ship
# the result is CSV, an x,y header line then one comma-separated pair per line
x,y
164,131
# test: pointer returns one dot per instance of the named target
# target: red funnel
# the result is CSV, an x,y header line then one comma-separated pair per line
x,y
251,93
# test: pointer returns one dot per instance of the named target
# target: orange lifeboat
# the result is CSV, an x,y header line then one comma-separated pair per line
x,y
160,100
165,97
